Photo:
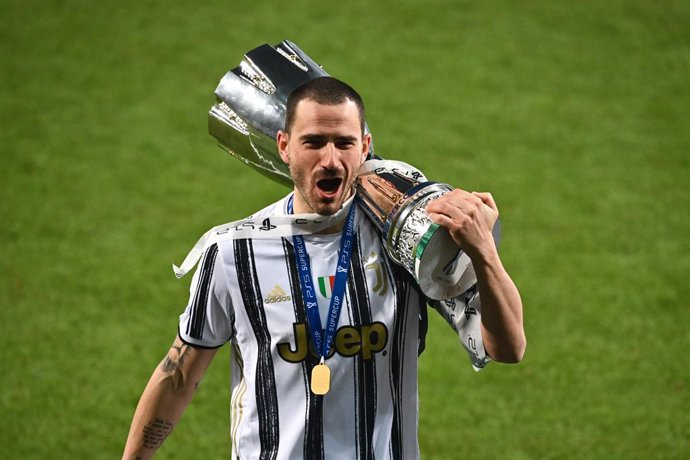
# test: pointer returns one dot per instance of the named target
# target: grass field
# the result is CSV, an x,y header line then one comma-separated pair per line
x,y
575,115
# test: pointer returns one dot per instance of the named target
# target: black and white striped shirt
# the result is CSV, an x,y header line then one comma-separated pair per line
x,y
247,292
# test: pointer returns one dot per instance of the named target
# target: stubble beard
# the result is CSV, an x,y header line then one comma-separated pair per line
x,y
323,207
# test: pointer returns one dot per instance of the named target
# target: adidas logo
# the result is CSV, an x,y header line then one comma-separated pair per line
x,y
276,295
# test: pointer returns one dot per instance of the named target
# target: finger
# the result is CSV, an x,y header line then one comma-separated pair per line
x,y
465,204
451,202
487,199
447,223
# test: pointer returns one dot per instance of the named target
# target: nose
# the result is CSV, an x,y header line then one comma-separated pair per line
x,y
329,156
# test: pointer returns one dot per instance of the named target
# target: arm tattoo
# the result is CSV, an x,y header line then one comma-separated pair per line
x,y
173,362
156,432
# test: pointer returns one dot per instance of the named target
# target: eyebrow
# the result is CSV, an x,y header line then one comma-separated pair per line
x,y
321,138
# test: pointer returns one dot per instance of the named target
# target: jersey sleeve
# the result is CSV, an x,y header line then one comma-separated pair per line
x,y
207,320
464,314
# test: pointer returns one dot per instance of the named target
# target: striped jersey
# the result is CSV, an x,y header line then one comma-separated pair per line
x,y
247,292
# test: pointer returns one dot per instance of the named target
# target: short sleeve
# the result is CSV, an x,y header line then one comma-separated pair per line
x,y
207,319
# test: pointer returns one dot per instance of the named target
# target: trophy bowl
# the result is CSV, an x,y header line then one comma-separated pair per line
x,y
250,105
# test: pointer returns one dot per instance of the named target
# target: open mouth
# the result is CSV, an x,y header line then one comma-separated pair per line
x,y
329,186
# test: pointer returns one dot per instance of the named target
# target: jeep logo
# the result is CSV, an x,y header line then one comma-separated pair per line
x,y
365,340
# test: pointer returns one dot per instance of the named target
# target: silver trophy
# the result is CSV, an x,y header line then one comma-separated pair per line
x,y
245,120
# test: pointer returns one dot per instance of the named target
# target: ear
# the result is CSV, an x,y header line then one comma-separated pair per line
x,y
366,143
282,141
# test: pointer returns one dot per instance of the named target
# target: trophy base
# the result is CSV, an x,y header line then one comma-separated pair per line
x,y
441,274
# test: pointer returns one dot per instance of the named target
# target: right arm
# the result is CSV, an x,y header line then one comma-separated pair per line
x,y
165,398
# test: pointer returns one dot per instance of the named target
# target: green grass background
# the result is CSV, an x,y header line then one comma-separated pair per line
x,y
574,114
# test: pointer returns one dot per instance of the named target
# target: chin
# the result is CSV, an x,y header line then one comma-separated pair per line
x,y
330,206
327,210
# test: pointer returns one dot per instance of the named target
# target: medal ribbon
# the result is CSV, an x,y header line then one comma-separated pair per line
x,y
323,343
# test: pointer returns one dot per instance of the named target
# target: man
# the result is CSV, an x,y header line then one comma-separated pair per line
x,y
293,395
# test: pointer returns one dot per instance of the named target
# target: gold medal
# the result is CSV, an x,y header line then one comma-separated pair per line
x,y
320,379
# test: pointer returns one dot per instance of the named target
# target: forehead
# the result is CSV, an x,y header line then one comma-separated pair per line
x,y
311,115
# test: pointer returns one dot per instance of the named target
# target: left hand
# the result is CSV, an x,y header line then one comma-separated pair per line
x,y
469,217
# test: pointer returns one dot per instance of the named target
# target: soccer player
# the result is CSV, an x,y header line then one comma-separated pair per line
x,y
324,329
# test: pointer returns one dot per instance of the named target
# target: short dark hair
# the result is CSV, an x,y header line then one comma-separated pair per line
x,y
322,90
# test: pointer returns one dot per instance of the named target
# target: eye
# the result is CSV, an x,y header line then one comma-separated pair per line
x,y
313,143
344,145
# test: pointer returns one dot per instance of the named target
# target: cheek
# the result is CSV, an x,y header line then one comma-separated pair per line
x,y
298,173
355,163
